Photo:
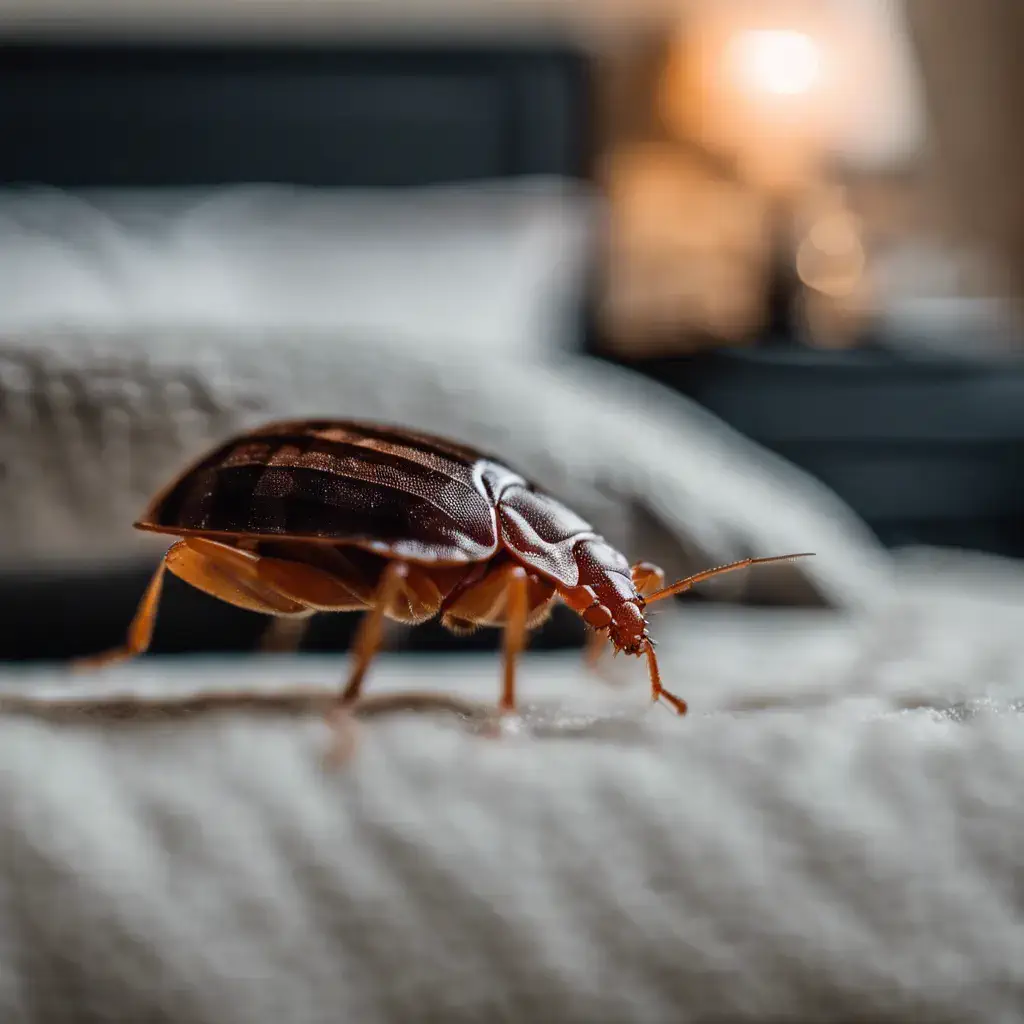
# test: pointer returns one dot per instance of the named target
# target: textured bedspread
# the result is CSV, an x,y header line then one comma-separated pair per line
x,y
833,834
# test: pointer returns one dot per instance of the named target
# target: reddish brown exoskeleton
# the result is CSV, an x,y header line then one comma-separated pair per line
x,y
314,516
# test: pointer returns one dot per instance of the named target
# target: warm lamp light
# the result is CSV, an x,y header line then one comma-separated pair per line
x,y
783,90
768,82
764,83
774,62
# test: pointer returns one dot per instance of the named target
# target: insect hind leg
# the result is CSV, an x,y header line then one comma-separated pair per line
x,y
140,630
216,569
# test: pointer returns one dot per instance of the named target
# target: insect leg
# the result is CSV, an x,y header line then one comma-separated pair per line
x,y
515,633
284,635
368,638
647,578
510,597
140,631
658,692
597,643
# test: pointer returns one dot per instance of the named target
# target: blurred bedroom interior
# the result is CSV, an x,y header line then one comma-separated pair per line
x,y
730,279
787,214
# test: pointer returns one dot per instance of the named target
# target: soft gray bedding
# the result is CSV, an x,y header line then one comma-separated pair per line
x,y
832,835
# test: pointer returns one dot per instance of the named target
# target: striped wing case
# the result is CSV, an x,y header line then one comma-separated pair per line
x,y
399,493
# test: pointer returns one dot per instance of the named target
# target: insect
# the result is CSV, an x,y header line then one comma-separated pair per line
x,y
309,516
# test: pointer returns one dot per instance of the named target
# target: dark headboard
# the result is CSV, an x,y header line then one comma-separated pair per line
x,y
76,115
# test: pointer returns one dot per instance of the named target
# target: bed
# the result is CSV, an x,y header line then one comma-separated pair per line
x,y
832,834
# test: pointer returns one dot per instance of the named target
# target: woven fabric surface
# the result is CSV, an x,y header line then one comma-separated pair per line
x,y
845,849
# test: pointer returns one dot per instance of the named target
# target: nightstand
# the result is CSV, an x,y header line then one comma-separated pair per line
x,y
927,449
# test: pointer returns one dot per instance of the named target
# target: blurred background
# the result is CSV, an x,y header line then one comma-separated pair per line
x,y
803,218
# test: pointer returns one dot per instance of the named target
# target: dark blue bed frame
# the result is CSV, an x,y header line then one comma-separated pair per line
x,y
131,114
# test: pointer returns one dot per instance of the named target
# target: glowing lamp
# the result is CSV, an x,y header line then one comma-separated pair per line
x,y
766,84
774,62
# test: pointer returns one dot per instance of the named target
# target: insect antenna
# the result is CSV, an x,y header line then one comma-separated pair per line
x,y
680,585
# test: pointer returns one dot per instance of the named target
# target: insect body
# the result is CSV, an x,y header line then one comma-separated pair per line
x,y
301,517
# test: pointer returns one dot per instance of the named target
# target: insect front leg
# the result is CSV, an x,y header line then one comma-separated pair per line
x,y
647,578
658,691
597,644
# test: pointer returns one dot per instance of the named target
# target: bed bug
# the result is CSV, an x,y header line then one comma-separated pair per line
x,y
300,517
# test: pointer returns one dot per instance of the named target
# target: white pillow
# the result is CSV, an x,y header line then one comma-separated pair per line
x,y
484,268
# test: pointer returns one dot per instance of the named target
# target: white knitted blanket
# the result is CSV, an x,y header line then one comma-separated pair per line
x,y
834,834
